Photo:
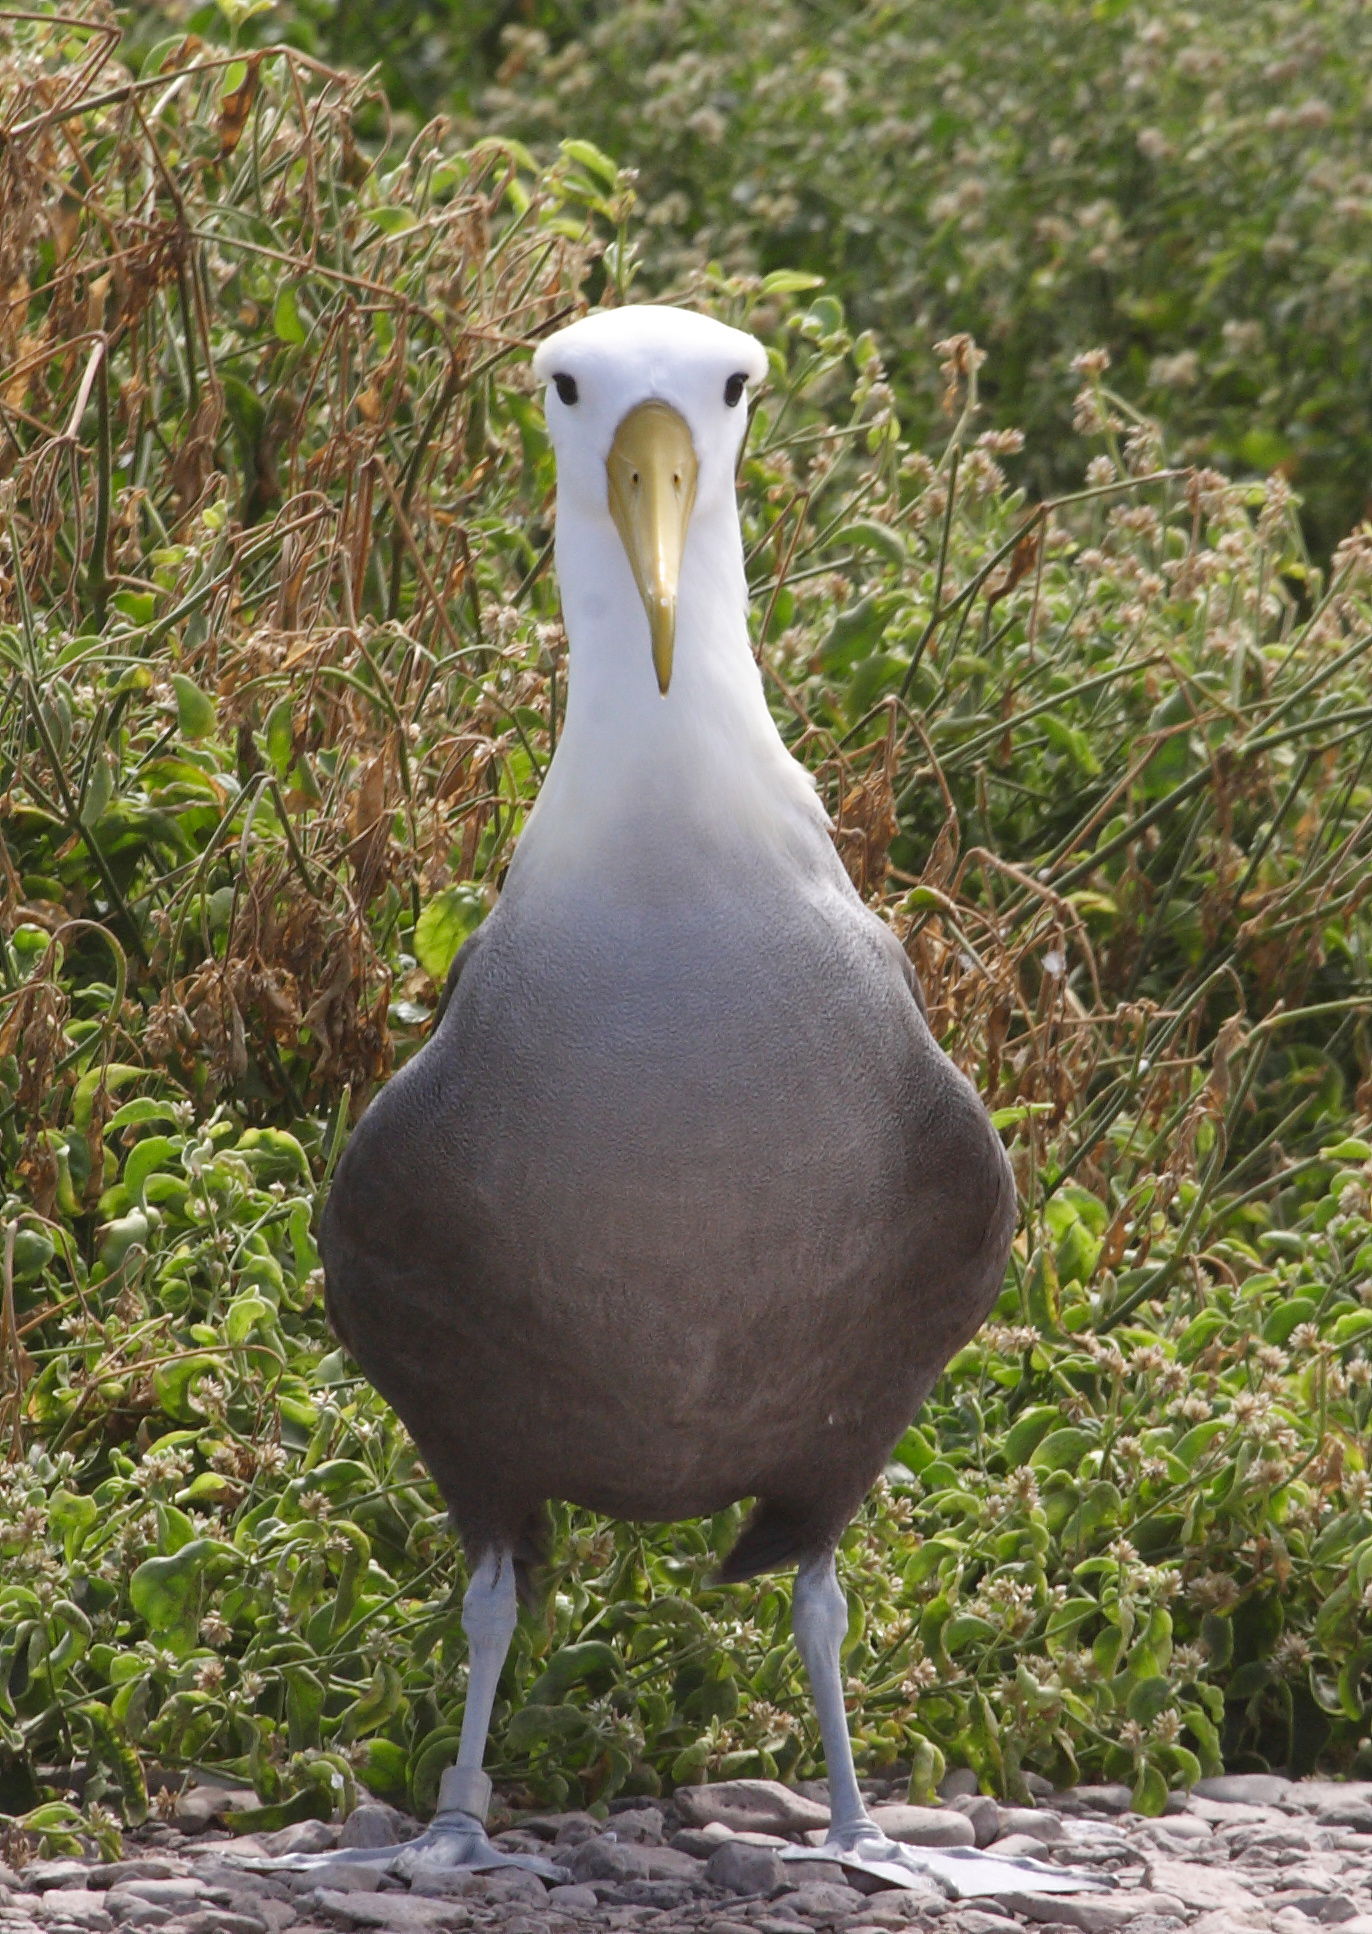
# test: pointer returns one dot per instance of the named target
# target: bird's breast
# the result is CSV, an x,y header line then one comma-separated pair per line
x,y
646,1176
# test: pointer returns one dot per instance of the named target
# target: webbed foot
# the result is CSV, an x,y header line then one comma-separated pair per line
x,y
452,1843
960,1871
455,1841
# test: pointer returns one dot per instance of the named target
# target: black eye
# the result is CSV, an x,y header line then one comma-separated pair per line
x,y
565,387
733,389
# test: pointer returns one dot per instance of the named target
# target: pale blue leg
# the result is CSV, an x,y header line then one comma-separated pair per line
x,y
456,1837
819,1617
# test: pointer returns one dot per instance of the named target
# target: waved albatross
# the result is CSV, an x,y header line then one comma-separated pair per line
x,y
681,1203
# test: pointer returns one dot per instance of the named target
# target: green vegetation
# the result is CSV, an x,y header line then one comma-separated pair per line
x,y
281,669
1187,186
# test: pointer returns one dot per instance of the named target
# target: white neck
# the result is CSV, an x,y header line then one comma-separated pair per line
x,y
647,792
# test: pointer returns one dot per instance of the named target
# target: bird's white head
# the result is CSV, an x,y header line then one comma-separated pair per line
x,y
646,409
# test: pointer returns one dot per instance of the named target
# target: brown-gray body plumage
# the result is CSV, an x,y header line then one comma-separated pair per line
x,y
678,1206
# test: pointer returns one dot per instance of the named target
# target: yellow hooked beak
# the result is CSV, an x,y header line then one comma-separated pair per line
x,y
652,487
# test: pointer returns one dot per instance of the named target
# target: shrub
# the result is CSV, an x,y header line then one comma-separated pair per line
x,y
1188,187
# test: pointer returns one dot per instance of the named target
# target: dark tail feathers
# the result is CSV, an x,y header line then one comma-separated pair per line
x,y
775,1535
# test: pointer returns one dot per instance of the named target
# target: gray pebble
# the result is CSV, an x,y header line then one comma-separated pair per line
x,y
1110,1800
745,1870
573,1899
512,1884
642,1825
983,1812
820,1900
374,1824
1248,1789
76,1906
44,1876
701,1842
221,1920
926,1826
302,1836
605,1859
1040,1823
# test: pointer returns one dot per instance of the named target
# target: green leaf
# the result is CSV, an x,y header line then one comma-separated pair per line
x,y
444,924
379,1704
790,282
589,157
166,1592
195,710
391,220
286,319
1063,1450
1150,1792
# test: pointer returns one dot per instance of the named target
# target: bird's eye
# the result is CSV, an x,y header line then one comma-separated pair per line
x,y
733,389
566,387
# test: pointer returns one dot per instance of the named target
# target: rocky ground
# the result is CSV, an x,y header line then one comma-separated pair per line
x,y
1248,1852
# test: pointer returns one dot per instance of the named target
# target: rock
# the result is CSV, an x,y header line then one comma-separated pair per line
x,y
1231,1813
926,1826
336,1876
701,1842
119,1871
757,1806
975,1921
1247,1789
517,1840
1200,1886
801,1872
373,1824
75,1905
1016,1846
744,1870
453,1884
1040,1823
42,1876
960,1784
984,1814
1218,1922
1110,1800
1355,1814
641,1825
200,1806
573,1899
670,1863
404,1913
573,1828
513,1884
1332,1910
821,1900
183,1890
657,1894
1173,1829
276,1912
1310,1795
1093,1913
222,1920
302,1836
606,1859
898,1906
132,1913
